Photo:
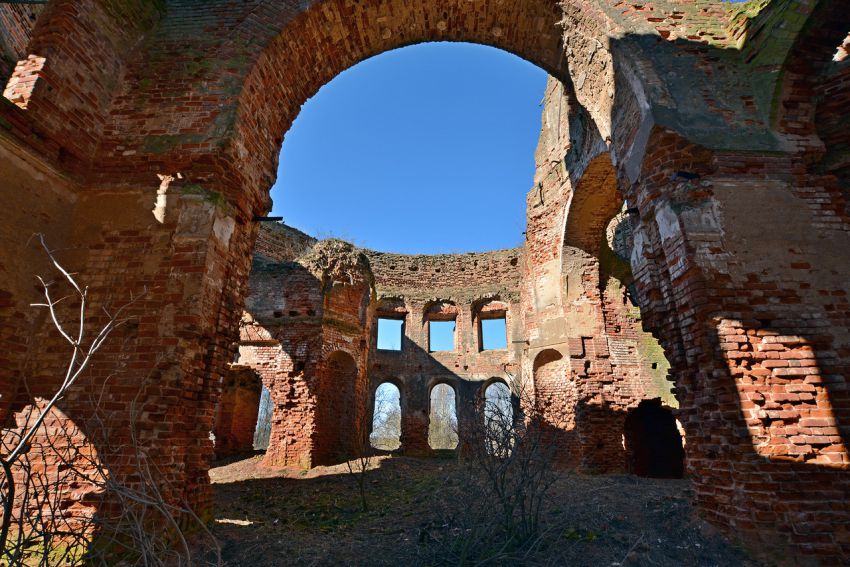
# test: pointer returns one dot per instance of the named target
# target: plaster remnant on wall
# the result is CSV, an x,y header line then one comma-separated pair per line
x,y
639,244
223,229
667,221
161,201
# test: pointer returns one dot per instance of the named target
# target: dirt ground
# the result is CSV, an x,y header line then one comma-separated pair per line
x,y
293,517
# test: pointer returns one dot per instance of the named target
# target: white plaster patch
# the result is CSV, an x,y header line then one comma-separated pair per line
x,y
223,229
704,219
668,223
638,246
546,286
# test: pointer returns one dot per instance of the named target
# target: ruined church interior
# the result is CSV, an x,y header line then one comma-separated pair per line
x,y
657,374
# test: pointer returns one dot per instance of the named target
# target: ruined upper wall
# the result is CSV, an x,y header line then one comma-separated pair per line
x,y
447,276
466,276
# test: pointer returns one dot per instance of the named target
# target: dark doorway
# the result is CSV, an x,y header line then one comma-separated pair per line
x,y
653,443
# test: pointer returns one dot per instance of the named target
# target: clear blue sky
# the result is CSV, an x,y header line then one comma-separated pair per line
x,y
424,149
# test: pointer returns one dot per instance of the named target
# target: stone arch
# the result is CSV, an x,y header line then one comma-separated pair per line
x,y
652,442
335,408
812,51
268,103
592,205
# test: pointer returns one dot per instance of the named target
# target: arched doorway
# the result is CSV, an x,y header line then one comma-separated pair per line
x,y
336,408
653,442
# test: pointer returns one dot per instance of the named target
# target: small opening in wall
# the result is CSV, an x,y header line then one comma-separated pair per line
x,y
653,442
441,336
494,334
390,332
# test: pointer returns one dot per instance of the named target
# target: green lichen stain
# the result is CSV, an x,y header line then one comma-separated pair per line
x,y
164,143
214,197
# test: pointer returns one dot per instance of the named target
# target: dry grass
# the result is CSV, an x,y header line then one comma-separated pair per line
x,y
289,517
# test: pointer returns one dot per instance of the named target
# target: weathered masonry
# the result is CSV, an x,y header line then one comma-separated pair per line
x,y
141,138
312,304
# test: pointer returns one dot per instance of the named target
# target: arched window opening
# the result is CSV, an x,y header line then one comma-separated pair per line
x,y
498,419
653,443
386,419
263,431
442,427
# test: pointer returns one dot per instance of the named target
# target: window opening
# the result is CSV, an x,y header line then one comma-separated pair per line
x,y
441,336
386,419
498,419
494,334
442,428
390,332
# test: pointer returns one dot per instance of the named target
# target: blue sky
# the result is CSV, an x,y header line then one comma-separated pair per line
x,y
425,149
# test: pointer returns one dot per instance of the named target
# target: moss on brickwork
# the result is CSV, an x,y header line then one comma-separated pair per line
x,y
162,144
215,198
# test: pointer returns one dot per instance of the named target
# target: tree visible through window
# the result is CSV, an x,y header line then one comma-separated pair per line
x,y
386,420
442,428
498,409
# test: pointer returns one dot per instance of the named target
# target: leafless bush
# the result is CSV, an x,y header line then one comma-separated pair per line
x,y
509,457
62,503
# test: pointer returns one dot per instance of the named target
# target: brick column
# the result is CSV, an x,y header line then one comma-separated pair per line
x,y
742,277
